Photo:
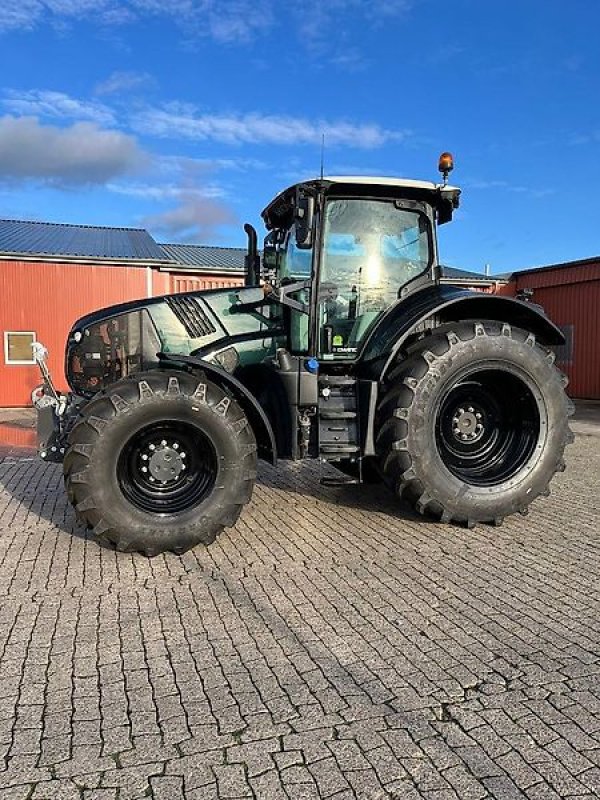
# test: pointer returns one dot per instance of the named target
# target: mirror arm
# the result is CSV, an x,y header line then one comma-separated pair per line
x,y
281,295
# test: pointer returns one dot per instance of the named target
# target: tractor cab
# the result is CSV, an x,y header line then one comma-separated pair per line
x,y
342,250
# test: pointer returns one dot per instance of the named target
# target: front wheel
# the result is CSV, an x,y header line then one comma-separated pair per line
x,y
474,423
161,461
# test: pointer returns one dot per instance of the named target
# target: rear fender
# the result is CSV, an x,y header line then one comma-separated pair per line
x,y
265,438
439,305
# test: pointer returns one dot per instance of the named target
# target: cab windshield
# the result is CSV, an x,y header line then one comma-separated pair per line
x,y
371,249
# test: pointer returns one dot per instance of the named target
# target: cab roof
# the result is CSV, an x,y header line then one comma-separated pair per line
x,y
372,180
435,193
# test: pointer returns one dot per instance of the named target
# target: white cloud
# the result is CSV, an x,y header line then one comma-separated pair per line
x,y
20,14
492,185
191,167
194,219
167,191
58,105
181,121
322,25
28,14
223,20
127,81
77,155
226,21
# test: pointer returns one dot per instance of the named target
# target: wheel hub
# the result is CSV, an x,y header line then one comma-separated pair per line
x,y
165,464
488,426
468,424
167,467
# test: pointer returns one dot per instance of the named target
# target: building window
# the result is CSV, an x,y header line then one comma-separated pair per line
x,y
17,347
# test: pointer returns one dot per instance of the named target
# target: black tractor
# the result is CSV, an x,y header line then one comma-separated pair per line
x,y
343,346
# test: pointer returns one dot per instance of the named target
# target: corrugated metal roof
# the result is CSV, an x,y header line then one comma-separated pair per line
x,y
85,241
593,261
463,274
199,256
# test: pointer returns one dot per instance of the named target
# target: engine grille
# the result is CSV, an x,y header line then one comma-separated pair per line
x,y
191,316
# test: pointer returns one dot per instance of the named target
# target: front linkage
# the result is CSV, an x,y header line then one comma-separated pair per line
x,y
55,411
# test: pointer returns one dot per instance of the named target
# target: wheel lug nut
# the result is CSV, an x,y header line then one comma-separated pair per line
x,y
151,479
478,415
470,409
175,446
182,454
144,457
144,469
152,447
163,443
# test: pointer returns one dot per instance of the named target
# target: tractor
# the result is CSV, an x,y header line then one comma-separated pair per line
x,y
342,345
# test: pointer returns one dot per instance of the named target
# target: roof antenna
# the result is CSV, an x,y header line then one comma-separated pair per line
x,y
322,153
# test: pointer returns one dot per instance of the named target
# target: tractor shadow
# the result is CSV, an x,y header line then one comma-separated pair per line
x,y
37,487
303,479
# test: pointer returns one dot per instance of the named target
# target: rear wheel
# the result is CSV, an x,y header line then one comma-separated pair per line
x,y
162,461
474,423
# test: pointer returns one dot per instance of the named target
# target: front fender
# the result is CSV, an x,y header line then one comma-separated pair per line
x,y
265,438
438,305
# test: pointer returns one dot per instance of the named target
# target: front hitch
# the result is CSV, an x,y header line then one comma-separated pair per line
x,y
51,406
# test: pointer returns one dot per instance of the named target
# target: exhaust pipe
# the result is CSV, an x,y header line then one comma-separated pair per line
x,y
252,260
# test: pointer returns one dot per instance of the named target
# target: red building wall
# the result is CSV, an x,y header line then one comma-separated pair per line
x,y
182,282
570,295
47,297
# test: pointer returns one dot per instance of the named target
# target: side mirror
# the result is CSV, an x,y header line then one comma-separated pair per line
x,y
305,210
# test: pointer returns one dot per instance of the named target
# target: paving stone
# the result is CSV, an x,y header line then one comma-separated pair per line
x,y
268,785
167,788
328,777
502,788
16,793
56,790
231,781
295,658
518,770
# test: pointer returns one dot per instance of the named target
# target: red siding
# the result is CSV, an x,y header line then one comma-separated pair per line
x,y
194,283
47,298
570,295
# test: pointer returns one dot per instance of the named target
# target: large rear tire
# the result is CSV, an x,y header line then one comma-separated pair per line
x,y
474,423
160,461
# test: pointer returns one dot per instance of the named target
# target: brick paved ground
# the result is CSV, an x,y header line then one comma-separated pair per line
x,y
331,645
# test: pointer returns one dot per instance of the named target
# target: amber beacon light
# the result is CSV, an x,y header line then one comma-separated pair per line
x,y
446,165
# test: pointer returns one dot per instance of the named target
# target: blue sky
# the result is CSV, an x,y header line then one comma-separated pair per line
x,y
187,116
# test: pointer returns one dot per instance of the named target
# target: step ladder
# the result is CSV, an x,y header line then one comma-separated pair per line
x,y
338,418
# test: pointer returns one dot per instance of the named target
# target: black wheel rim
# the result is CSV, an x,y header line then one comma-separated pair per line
x,y
488,427
167,468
